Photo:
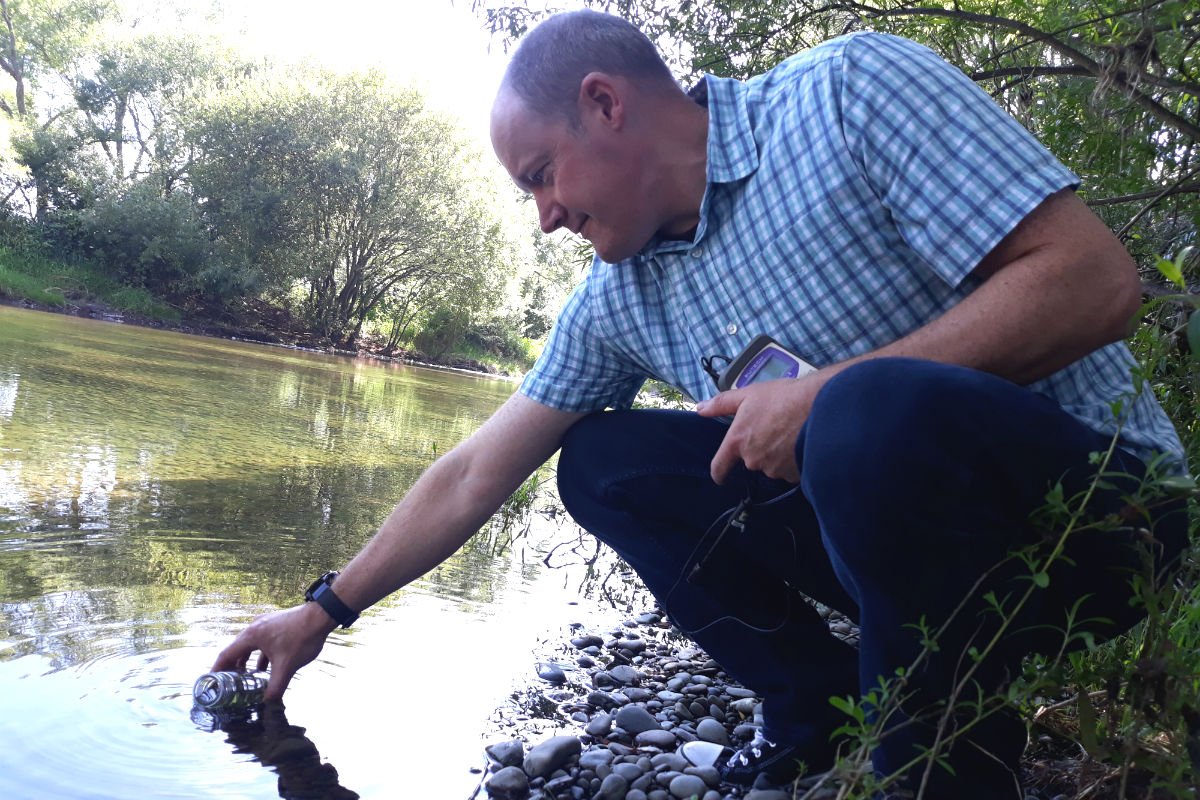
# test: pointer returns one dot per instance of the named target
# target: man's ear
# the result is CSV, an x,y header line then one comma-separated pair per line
x,y
602,97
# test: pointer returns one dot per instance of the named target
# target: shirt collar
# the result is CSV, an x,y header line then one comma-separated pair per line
x,y
732,153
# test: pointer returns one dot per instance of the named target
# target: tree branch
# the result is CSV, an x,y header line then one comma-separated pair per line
x,y
1186,188
1142,212
1078,56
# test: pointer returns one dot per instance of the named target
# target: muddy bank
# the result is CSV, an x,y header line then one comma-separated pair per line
x,y
278,335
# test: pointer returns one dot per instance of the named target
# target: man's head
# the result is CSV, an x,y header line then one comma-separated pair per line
x,y
546,70
590,122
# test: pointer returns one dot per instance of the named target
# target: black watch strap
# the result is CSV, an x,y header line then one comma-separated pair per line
x,y
321,592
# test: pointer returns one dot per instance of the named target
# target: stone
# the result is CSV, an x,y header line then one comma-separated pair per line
x,y
584,642
671,761
702,754
737,691
551,673
709,775
612,788
600,725
509,783
625,675
603,680
663,740
595,758
636,719
745,706
507,754
686,786
601,700
547,756
709,730
630,772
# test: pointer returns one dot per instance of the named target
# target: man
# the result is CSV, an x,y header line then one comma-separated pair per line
x,y
864,204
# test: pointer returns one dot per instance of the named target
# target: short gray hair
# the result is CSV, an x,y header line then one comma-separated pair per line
x,y
552,60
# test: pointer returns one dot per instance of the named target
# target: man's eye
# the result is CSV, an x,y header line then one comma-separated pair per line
x,y
538,178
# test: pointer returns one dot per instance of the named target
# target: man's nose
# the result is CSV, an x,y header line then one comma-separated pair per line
x,y
551,215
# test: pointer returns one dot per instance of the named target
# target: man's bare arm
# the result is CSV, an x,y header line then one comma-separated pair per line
x,y
454,497
1056,288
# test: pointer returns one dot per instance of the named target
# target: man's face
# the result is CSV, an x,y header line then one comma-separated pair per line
x,y
586,180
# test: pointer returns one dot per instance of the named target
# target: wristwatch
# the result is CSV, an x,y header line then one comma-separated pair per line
x,y
321,592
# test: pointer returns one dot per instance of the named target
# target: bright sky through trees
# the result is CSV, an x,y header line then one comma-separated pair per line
x,y
436,46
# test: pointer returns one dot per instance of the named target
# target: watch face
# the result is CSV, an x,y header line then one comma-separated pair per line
x,y
324,580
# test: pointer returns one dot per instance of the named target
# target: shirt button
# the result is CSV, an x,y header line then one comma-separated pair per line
x,y
697,252
731,328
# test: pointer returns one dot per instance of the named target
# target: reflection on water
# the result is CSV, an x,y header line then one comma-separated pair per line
x,y
266,735
158,490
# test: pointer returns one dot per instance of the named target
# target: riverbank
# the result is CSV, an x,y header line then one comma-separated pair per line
x,y
637,711
278,335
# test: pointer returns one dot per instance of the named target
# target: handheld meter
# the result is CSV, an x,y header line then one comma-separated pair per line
x,y
764,359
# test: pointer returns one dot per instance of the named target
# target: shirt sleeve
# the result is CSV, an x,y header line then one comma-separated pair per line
x,y
954,170
577,371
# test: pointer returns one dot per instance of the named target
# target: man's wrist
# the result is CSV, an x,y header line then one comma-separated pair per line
x,y
321,593
318,619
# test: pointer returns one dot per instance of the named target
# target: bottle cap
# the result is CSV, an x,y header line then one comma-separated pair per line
x,y
207,691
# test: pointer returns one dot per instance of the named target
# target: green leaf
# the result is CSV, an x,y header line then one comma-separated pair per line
x,y
1193,335
1178,484
1041,579
1172,271
1087,725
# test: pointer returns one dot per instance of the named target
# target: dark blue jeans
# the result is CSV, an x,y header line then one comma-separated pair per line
x,y
917,478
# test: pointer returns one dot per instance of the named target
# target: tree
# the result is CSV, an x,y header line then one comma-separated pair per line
x,y
347,190
133,92
41,40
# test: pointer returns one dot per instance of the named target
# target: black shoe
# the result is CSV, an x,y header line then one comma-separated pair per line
x,y
780,763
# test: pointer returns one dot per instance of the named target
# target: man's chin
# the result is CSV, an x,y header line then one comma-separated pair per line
x,y
614,252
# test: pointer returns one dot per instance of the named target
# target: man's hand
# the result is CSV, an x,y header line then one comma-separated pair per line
x,y
285,640
767,419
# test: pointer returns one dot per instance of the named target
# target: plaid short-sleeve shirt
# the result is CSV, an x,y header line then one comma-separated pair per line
x,y
851,192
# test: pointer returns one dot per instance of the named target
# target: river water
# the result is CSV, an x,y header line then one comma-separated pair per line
x,y
158,490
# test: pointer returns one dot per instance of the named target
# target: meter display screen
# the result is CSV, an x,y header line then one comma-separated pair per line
x,y
768,365
763,360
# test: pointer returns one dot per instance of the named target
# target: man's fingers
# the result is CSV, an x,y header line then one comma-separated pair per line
x,y
233,657
264,661
722,405
277,685
724,461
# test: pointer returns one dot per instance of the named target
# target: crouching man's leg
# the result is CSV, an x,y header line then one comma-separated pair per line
x,y
923,477
640,482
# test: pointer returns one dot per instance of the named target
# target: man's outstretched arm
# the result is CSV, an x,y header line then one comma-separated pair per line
x,y
449,503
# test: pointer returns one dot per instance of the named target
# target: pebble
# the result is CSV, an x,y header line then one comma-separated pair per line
x,y
600,725
551,673
509,783
613,787
661,739
636,719
686,786
551,754
584,642
658,720
625,675
507,754
709,730
594,759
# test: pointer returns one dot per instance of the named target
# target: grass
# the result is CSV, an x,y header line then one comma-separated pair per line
x,y
32,276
